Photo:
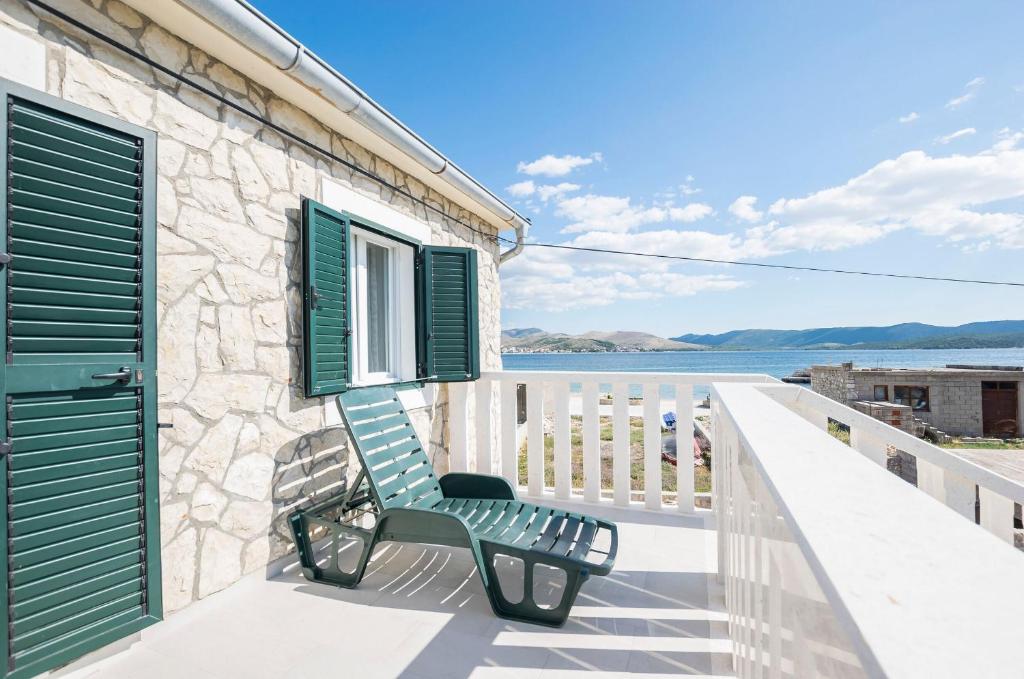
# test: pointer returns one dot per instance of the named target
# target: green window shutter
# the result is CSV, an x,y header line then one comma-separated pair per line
x,y
79,524
326,319
449,318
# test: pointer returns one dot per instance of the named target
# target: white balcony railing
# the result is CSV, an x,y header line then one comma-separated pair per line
x,y
971,490
834,567
576,406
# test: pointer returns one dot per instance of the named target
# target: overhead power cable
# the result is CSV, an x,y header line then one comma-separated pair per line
x,y
419,201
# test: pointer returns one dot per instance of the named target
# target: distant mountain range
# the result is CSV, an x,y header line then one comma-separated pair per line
x,y
903,335
985,334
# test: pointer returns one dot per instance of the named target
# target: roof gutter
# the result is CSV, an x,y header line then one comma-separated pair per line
x,y
259,34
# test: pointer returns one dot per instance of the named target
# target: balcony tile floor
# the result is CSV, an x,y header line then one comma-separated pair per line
x,y
421,613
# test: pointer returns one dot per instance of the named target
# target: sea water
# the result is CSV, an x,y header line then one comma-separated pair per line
x,y
777,363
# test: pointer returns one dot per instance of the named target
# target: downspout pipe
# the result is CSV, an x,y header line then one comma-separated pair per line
x,y
262,36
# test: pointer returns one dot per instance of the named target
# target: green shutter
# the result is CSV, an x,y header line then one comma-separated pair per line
x,y
327,329
450,337
80,523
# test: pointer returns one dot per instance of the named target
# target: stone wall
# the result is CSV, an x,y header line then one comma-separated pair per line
x,y
246,447
832,381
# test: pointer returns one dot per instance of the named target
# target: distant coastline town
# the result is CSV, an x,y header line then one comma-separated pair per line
x,y
980,335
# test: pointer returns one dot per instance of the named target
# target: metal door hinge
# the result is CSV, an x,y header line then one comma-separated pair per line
x,y
5,446
5,258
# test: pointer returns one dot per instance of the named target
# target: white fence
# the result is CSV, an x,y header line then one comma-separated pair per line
x,y
483,419
947,477
834,567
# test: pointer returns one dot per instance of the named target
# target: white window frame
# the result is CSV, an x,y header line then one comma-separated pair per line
x,y
401,309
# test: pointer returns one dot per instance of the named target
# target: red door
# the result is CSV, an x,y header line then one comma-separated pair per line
x,y
999,409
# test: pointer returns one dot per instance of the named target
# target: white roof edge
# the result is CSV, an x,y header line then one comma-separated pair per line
x,y
233,31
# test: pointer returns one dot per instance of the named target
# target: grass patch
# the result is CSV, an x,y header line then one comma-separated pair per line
x,y
702,474
839,430
1010,444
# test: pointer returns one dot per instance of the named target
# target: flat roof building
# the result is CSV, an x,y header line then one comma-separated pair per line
x,y
961,400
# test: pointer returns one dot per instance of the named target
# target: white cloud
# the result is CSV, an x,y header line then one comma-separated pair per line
x,y
521,189
546,280
964,200
687,188
743,208
691,212
910,117
618,214
549,191
936,196
556,166
971,87
966,132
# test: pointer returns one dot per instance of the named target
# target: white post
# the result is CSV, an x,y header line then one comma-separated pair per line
x,y
458,413
868,445
591,444
509,415
959,494
484,458
996,514
563,459
535,438
652,446
684,447
620,443
930,479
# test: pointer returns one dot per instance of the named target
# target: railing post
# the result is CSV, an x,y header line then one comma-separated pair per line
x,y
959,494
458,421
591,444
509,425
563,452
484,446
867,445
652,446
930,480
684,447
535,438
996,514
621,444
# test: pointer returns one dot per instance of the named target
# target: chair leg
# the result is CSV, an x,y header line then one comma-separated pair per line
x,y
527,609
330,573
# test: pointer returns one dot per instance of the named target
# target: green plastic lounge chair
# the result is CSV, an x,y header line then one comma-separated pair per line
x,y
476,511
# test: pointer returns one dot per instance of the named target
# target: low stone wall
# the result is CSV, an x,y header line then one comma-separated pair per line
x,y
246,447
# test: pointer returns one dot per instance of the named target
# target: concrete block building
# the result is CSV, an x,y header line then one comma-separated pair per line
x,y
961,400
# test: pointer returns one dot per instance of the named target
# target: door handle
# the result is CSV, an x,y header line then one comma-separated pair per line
x,y
124,375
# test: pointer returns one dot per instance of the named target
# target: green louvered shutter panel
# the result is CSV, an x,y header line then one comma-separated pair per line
x,y
80,554
326,252
450,318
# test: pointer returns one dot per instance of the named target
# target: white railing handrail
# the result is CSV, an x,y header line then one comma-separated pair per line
x,y
902,440
917,590
603,377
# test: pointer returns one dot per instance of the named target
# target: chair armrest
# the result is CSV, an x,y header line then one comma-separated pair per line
x,y
476,486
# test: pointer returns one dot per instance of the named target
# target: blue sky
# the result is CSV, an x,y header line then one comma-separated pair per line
x,y
881,136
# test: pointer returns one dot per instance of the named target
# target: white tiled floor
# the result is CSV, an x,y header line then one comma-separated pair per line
x,y
422,613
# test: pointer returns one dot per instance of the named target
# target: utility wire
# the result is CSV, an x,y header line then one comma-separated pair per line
x,y
495,238
762,265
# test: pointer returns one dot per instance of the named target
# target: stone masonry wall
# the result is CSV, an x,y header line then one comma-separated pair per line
x,y
246,447
831,381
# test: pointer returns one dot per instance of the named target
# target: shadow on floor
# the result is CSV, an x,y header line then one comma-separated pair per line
x,y
426,604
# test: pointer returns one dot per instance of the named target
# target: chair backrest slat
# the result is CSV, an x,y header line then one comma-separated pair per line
x,y
397,468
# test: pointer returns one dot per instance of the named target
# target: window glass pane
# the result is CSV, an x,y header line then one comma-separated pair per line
x,y
377,308
881,392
